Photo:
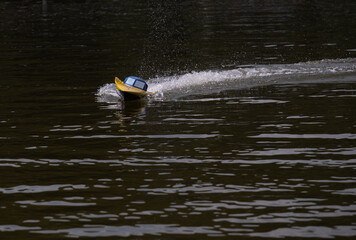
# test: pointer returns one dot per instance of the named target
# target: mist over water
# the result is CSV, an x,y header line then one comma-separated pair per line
x,y
250,133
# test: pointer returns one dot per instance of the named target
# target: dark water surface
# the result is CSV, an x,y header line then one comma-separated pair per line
x,y
251,133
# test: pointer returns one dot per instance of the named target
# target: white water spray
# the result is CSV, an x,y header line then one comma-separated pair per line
x,y
205,82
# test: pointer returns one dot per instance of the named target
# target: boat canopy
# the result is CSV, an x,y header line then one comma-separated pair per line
x,y
136,82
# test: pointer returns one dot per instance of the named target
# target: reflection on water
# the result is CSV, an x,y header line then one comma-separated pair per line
x,y
44,8
251,134
236,163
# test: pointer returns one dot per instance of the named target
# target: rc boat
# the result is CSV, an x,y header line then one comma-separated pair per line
x,y
132,88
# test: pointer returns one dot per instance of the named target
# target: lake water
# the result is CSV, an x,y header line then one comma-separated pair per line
x,y
251,133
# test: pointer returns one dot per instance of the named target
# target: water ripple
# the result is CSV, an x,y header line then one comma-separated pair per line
x,y
128,231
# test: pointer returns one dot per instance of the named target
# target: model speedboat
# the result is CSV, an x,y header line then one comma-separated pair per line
x,y
133,88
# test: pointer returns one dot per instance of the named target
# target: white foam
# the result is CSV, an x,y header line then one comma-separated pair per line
x,y
205,82
108,94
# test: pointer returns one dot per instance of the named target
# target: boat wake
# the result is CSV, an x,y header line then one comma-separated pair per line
x,y
205,82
